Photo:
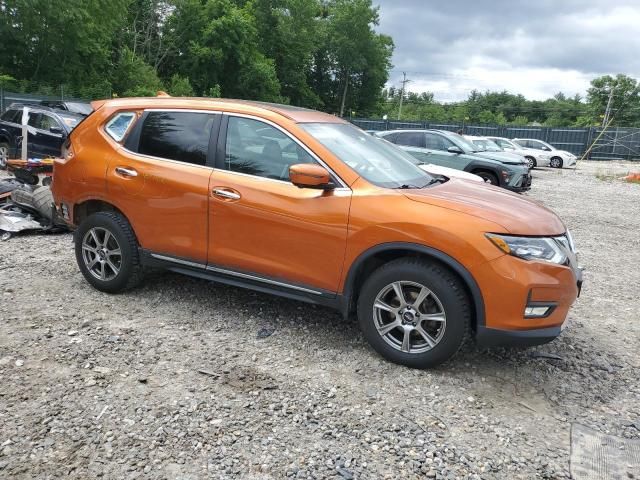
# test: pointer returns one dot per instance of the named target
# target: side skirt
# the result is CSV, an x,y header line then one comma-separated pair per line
x,y
245,280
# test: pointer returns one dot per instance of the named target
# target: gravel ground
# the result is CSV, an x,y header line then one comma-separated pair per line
x,y
187,379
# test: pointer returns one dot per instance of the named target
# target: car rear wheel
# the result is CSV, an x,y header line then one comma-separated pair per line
x,y
532,162
488,177
414,312
107,252
556,162
4,154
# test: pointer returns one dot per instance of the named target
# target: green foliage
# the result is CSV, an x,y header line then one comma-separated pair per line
x,y
135,77
180,86
625,101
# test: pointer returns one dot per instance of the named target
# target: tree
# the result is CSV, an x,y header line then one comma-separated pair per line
x,y
625,100
180,86
217,43
135,77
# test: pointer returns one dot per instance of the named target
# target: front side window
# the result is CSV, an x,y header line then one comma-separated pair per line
x,y
256,148
117,127
47,122
437,142
181,136
378,161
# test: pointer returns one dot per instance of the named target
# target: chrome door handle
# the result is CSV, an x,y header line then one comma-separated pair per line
x,y
126,172
226,194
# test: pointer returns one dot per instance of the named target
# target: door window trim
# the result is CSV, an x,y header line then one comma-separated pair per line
x,y
132,139
221,150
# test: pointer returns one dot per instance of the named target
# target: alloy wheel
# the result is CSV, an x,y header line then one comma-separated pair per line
x,y
409,317
532,163
101,254
556,162
4,156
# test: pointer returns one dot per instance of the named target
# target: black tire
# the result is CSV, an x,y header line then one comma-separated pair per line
x,y
448,289
130,273
488,177
555,162
4,154
532,162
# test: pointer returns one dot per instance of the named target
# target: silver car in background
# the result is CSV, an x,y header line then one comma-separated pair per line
x,y
535,158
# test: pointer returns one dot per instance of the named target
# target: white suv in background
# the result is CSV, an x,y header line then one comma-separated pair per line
x,y
558,158
536,158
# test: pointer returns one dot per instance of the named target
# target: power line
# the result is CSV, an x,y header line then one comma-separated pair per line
x,y
404,83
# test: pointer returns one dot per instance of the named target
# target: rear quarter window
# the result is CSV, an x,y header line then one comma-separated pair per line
x,y
118,126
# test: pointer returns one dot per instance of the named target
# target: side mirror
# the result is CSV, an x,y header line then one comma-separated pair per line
x,y
310,175
56,130
546,149
456,150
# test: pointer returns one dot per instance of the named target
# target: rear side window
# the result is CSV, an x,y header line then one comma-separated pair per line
x,y
181,136
118,125
410,139
13,116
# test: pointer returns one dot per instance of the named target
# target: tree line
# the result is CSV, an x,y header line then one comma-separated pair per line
x,y
621,93
322,54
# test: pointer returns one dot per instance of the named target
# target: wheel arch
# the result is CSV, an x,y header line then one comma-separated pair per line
x,y
376,256
93,205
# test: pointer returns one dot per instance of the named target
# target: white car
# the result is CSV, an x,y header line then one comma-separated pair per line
x,y
485,145
558,158
536,158
450,172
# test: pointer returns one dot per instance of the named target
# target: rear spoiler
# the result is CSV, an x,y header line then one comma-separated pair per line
x,y
96,104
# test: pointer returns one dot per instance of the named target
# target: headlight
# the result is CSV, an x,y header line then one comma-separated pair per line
x,y
530,248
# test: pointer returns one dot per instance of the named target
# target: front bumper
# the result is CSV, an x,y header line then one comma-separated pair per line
x,y
510,285
494,337
521,183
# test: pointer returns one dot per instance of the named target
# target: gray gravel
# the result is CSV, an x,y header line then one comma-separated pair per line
x,y
187,379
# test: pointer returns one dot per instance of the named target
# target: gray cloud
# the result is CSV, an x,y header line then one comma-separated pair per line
x,y
526,46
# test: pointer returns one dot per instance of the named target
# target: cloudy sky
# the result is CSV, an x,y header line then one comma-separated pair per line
x,y
533,47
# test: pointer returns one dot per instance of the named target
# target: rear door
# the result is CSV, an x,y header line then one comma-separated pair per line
x,y
263,226
160,180
49,137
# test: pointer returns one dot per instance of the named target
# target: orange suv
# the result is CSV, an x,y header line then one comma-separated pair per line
x,y
302,204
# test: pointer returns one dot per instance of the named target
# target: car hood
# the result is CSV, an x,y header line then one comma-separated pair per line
x,y
502,157
515,213
450,172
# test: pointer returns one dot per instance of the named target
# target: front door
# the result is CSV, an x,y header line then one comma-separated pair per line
x,y
161,182
262,224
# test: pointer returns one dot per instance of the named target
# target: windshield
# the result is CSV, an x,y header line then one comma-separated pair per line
x,y
486,145
375,159
463,143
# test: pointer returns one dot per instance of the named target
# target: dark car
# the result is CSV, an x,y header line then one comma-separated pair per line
x,y
81,108
47,131
449,149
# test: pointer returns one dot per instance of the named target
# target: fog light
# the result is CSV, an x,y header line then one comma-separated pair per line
x,y
538,311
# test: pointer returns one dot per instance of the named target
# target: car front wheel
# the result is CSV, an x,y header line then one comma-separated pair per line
x,y
488,177
556,162
414,312
532,163
107,252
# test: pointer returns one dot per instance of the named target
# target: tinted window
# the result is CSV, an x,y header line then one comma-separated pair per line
x,y
182,136
410,139
437,142
12,116
255,148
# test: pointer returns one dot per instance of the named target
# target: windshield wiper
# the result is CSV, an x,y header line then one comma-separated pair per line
x,y
407,186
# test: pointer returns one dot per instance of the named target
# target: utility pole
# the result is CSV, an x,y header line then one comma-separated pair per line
x,y
404,82
607,112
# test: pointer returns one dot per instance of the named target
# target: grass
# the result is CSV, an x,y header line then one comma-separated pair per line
x,y
629,177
